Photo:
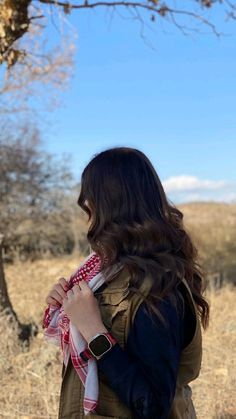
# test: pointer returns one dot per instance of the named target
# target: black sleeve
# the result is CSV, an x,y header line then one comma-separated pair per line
x,y
144,374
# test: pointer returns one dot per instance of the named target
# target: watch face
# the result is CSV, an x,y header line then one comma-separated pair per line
x,y
99,345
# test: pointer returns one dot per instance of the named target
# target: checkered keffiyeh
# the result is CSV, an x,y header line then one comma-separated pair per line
x,y
59,330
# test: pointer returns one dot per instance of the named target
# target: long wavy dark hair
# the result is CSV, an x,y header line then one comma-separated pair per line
x,y
132,222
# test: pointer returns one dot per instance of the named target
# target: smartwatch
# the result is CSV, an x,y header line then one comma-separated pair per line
x,y
99,345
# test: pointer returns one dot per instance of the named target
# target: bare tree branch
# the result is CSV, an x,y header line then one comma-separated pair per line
x,y
51,67
16,17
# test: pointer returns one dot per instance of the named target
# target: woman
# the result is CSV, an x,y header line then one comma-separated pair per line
x,y
129,319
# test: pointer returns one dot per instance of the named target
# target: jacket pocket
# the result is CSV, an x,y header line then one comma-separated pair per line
x,y
112,305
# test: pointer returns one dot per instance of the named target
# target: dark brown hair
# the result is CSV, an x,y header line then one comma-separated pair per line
x,y
136,225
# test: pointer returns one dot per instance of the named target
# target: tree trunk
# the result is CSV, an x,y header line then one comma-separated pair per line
x,y
25,330
5,302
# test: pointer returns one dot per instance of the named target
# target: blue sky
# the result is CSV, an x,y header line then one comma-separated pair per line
x,y
177,102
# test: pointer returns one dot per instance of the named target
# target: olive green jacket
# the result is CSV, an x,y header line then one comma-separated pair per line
x,y
118,308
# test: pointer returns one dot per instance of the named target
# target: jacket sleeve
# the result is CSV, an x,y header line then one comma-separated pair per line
x,y
144,374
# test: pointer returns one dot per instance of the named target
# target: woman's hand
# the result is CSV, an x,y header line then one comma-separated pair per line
x,y
57,293
82,308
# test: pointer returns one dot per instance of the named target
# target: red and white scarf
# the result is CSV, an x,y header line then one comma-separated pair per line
x,y
60,331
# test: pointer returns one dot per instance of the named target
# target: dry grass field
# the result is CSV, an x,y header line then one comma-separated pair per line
x,y
30,379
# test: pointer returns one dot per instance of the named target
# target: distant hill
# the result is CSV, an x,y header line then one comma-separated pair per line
x,y
213,228
209,212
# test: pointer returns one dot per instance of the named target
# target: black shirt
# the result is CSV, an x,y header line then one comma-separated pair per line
x,y
144,374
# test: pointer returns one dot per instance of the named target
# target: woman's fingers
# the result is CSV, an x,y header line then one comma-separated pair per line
x,y
70,294
85,287
50,300
64,283
76,289
60,290
54,294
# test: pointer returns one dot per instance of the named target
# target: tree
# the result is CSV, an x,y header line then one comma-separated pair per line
x,y
32,218
17,17
31,190
32,214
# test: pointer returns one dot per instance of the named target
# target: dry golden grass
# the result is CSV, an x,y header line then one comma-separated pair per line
x,y
214,391
30,379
